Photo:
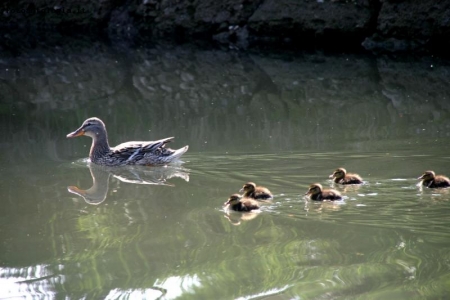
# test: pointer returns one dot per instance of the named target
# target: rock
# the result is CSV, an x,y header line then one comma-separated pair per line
x,y
393,25
312,19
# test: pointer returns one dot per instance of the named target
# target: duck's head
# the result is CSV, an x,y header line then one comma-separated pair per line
x,y
234,199
314,189
91,127
427,175
338,173
249,187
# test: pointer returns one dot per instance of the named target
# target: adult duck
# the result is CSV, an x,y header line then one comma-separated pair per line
x,y
152,153
431,180
250,190
238,203
317,193
341,176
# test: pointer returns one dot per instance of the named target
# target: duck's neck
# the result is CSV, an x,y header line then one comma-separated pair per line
x,y
100,146
317,196
427,182
338,179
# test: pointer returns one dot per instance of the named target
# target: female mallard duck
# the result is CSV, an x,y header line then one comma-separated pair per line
x,y
252,191
431,180
317,193
341,176
130,153
238,203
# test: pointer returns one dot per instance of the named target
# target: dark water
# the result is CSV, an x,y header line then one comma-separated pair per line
x,y
70,230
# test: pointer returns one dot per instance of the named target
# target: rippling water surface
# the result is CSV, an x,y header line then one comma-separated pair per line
x,y
73,230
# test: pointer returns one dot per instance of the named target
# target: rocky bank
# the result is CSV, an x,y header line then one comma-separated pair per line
x,y
392,25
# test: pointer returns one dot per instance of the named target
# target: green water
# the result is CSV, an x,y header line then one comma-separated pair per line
x,y
281,120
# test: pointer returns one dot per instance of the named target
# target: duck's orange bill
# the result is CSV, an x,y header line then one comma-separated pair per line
x,y
76,133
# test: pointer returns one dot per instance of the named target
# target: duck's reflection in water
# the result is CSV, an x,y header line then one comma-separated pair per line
x,y
98,192
345,188
236,218
323,206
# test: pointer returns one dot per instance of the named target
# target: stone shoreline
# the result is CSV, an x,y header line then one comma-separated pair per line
x,y
388,25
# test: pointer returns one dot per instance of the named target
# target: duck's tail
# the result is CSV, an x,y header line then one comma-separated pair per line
x,y
176,154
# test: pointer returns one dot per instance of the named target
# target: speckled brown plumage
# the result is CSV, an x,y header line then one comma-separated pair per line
x,y
341,176
238,203
129,153
431,180
250,190
317,193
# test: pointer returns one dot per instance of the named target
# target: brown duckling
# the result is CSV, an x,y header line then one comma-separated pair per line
x,y
317,193
341,176
252,191
239,203
431,180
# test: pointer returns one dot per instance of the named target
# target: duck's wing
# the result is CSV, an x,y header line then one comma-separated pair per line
x,y
440,181
352,179
262,193
136,150
331,195
249,204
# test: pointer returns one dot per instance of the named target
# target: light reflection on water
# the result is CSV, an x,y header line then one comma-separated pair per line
x,y
282,122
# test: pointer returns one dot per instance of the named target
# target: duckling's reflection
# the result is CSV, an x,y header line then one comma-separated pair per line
x,y
235,218
322,207
346,188
97,193
434,192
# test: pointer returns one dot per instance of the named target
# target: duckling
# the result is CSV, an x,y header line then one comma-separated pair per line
x,y
431,180
341,176
238,203
252,191
317,193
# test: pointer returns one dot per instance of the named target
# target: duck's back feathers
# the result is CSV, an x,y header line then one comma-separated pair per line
x,y
341,176
246,205
331,195
438,182
239,203
350,179
262,193
431,180
252,191
317,193
146,153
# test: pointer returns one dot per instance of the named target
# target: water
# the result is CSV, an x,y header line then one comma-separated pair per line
x,y
283,121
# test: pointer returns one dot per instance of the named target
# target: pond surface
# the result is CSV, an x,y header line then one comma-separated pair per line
x,y
70,230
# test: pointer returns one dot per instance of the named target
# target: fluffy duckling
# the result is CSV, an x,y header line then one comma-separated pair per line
x,y
250,190
317,193
341,176
239,203
431,180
